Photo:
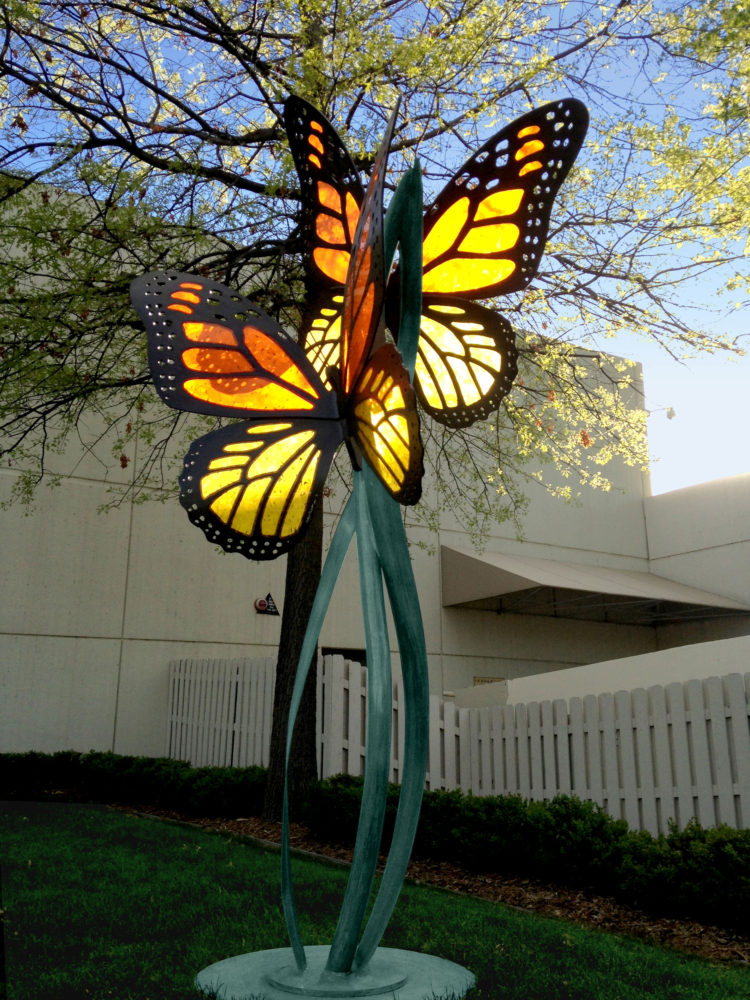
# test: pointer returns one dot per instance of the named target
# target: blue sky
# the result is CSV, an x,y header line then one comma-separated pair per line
x,y
706,438
709,435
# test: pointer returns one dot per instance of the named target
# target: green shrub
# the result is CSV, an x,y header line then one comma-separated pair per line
x,y
331,809
38,775
483,834
112,777
698,873
109,777
578,838
223,791
565,838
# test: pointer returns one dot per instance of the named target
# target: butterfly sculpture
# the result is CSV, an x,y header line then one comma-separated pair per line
x,y
483,236
251,486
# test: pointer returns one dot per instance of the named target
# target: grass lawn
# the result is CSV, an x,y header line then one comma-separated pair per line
x,y
115,907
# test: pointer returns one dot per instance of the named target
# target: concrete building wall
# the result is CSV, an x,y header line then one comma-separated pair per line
x,y
602,528
93,606
708,659
701,535
485,644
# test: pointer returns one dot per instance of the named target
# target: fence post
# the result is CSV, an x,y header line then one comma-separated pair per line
x,y
579,784
738,700
699,741
719,749
664,782
562,746
450,740
645,769
435,776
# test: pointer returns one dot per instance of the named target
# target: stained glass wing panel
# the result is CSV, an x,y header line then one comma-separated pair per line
x,y
485,232
321,331
251,486
466,361
332,192
212,351
386,425
365,281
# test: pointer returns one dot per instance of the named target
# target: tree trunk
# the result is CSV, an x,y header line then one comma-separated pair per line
x,y
302,577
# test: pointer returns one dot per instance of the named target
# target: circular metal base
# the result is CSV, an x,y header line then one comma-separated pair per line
x,y
273,975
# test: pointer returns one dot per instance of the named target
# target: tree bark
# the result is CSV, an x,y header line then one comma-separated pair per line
x,y
302,576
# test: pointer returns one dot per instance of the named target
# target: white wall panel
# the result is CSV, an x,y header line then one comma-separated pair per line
x,y
563,641
64,564
707,516
723,570
459,671
88,454
181,587
602,528
666,666
57,693
686,633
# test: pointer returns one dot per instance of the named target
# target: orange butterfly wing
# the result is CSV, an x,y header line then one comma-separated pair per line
x,y
379,400
364,293
211,351
250,486
332,192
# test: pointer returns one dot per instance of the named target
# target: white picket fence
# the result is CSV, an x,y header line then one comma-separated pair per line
x,y
646,756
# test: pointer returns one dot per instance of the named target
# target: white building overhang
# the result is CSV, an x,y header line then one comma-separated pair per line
x,y
526,585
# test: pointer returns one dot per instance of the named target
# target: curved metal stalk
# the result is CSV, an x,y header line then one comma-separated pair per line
x,y
402,594
383,553
334,560
378,752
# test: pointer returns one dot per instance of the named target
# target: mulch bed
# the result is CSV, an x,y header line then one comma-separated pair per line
x,y
716,944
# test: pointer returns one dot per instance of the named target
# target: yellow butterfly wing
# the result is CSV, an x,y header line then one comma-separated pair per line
x,y
321,332
466,361
385,425
485,232
251,486
484,235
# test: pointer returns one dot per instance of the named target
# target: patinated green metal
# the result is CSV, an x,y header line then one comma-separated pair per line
x,y
383,555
